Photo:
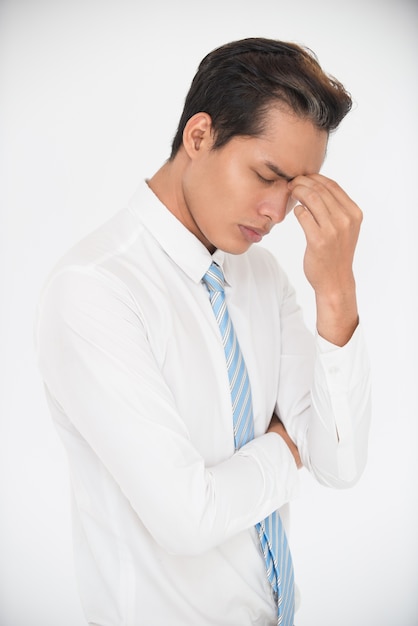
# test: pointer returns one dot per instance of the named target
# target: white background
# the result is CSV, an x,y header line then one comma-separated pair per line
x,y
90,97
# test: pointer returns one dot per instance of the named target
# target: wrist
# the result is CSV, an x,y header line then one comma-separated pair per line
x,y
337,316
277,427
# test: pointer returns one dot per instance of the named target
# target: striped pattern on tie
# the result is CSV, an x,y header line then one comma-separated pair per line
x,y
272,535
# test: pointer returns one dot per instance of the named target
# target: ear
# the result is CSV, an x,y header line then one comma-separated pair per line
x,y
197,134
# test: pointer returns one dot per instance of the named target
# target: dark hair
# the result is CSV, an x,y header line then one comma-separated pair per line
x,y
236,83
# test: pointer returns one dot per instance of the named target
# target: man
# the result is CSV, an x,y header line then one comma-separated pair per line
x,y
173,493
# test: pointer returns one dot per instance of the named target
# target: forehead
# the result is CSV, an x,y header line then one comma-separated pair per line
x,y
292,143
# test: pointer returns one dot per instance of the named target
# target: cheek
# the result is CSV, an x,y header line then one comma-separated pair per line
x,y
231,180
224,190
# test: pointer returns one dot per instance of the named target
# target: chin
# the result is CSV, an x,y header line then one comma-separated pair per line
x,y
234,247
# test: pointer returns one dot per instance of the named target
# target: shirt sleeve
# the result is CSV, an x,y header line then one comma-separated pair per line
x,y
99,370
325,399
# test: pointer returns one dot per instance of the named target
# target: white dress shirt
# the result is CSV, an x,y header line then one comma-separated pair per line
x,y
135,376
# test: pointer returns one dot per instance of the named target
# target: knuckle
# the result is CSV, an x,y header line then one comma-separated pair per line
x,y
317,186
312,195
358,213
354,218
332,186
345,221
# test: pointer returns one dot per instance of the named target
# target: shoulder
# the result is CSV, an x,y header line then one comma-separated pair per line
x,y
88,275
111,239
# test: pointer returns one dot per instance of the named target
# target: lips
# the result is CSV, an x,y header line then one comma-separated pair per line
x,y
251,234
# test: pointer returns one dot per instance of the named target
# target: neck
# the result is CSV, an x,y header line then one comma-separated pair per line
x,y
167,186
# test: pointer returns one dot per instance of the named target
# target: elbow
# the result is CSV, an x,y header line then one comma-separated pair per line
x,y
183,530
185,520
346,472
342,482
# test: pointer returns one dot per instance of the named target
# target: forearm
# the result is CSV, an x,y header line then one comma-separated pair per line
x,y
334,446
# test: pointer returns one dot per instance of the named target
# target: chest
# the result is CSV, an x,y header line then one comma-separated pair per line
x,y
186,342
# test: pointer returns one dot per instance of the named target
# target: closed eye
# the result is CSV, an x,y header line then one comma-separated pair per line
x,y
267,181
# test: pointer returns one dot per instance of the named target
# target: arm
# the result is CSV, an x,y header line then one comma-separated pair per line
x,y
330,423
98,366
324,401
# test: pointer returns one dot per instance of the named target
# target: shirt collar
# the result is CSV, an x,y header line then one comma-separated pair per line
x,y
175,239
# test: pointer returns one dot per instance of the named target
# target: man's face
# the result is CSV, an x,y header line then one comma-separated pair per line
x,y
235,195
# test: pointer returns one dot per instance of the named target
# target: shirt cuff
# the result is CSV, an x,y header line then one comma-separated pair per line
x,y
277,466
342,367
325,346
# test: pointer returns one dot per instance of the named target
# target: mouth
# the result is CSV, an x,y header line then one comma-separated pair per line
x,y
251,234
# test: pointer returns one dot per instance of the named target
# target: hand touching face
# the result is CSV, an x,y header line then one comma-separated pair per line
x,y
235,194
331,223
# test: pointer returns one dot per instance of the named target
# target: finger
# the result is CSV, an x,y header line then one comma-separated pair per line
x,y
314,196
334,196
333,188
307,220
344,212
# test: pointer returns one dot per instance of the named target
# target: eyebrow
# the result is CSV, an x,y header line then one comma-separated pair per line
x,y
278,171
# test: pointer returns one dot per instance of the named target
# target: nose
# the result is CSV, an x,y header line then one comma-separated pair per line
x,y
278,206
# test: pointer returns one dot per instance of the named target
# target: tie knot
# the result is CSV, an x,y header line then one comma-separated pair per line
x,y
214,278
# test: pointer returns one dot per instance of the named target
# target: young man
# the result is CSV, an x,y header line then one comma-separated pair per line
x,y
178,461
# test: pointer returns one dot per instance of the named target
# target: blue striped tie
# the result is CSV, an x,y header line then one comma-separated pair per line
x,y
271,532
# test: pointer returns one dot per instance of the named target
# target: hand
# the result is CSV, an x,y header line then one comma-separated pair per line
x,y
331,223
276,426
